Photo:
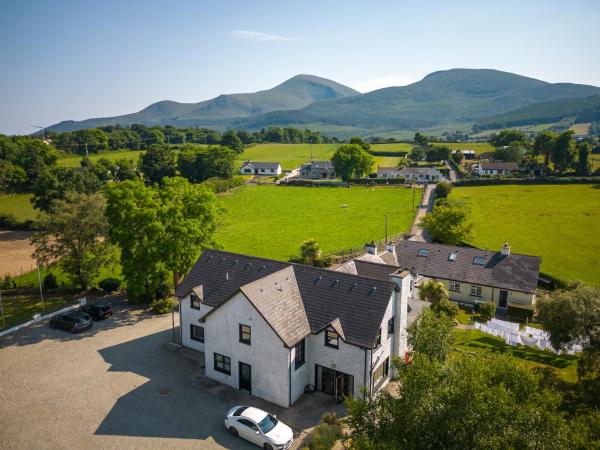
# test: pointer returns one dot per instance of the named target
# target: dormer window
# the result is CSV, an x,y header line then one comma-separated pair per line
x,y
452,256
194,301
423,252
332,339
479,260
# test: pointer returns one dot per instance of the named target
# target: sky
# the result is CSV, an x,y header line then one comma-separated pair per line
x,y
72,60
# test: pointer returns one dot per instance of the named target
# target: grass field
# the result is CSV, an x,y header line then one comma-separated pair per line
x,y
288,155
74,161
21,308
479,147
17,205
273,221
560,223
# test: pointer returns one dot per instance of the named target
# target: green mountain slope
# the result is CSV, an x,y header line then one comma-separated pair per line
x,y
586,109
295,93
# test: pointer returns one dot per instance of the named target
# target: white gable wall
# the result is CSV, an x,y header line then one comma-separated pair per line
x,y
190,316
266,354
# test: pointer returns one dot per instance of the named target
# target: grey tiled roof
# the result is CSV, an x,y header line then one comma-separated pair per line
x,y
499,165
358,302
261,165
515,272
373,270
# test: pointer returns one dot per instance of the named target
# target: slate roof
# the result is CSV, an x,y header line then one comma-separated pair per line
x,y
373,270
499,165
515,272
318,165
381,169
359,303
262,165
418,170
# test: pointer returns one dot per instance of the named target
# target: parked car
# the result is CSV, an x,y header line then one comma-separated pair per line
x,y
259,427
97,311
74,321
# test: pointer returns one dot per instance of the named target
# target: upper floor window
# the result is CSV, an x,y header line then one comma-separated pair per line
x,y
475,290
454,286
245,334
391,326
194,301
196,333
378,338
332,339
300,354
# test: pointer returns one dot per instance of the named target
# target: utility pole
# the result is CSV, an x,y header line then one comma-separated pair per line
x,y
2,311
41,128
41,293
86,150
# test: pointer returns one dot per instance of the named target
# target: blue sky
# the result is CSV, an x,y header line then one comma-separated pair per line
x,y
79,59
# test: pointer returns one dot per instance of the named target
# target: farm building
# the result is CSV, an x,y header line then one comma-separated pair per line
x,y
495,168
260,168
466,154
317,170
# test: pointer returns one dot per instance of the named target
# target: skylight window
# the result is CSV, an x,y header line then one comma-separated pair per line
x,y
479,260
452,256
423,252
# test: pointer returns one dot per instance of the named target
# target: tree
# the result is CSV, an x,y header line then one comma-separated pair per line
x,y
360,141
431,335
198,164
160,230
563,151
584,150
55,183
310,251
543,145
442,189
433,291
351,160
508,137
420,139
416,154
158,162
230,139
73,232
513,152
437,153
448,223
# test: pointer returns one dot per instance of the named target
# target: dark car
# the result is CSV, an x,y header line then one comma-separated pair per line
x,y
97,311
74,321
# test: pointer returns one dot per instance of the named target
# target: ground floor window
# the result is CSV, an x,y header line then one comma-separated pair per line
x,y
222,363
455,286
197,333
333,382
381,372
475,290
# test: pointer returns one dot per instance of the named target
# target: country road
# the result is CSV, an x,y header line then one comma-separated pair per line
x,y
425,206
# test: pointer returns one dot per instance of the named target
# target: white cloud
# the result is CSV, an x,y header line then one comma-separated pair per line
x,y
258,36
381,82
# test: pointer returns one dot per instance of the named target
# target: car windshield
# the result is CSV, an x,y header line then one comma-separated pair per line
x,y
268,423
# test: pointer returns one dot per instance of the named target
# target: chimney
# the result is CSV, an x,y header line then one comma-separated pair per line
x,y
371,248
390,247
505,249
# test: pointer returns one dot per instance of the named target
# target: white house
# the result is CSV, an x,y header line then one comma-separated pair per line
x,y
421,174
260,168
388,172
272,328
495,168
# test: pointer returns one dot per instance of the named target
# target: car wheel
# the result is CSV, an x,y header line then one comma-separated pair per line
x,y
234,432
268,446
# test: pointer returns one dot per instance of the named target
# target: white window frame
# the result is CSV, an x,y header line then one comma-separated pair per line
x,y
476,290
454,286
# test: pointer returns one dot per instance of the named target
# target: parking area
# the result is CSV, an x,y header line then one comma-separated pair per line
x,y
120,385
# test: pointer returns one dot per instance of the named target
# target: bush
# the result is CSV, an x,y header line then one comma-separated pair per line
x,y
7,282
109,285
324,437
163,305
50,282
538,180
442,189
10,222
487,309
219,185
446,307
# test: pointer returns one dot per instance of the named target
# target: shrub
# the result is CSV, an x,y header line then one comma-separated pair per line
x,y
50,282
487,309
442,189
163,305
324,437
109,285
7,282
446,307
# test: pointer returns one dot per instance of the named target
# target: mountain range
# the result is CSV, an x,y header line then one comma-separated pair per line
x,y
446,99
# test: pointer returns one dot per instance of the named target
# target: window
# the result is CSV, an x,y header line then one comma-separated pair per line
x,y
248,424
245,334
222,364
479,260
300,355
196,333
247,170
386,367
378,338
455,286
452,256
332,339
391,326
475,290
423,252
194,301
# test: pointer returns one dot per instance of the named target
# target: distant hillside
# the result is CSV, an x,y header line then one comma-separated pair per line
x,y
295,93
582,110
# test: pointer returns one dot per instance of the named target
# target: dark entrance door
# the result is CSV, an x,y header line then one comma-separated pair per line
x,y
503,299
245,377
333,382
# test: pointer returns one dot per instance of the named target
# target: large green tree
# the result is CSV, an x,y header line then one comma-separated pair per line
x,y
543,145
508,137
198,164
158,162
563,151
230,139
160,230
448,223
584,150
73,232
351,160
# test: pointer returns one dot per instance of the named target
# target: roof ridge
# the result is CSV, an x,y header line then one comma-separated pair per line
x,y
470,248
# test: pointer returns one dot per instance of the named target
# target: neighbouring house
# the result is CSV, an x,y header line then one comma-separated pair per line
x,y
421,174
471,275
260,168
466,154
272,328
388,172
495,168
317,170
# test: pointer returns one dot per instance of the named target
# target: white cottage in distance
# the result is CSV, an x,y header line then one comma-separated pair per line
x,y
260,168
272,328
419,174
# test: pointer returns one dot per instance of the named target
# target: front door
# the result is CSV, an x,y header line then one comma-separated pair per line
x,y
245,377
503,299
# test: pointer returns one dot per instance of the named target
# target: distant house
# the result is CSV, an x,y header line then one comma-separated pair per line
x,y
495,168
466,154
421,174
260,168
388,172
317,170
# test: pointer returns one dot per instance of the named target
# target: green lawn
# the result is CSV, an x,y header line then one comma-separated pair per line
x,y
564,366
289,155
74,161
17,205
273,221
479,147
21,308
560,223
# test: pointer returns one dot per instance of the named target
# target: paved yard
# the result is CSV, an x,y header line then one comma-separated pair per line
x,y
116,386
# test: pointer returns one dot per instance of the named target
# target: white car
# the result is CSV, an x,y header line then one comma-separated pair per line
x,y
259,427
